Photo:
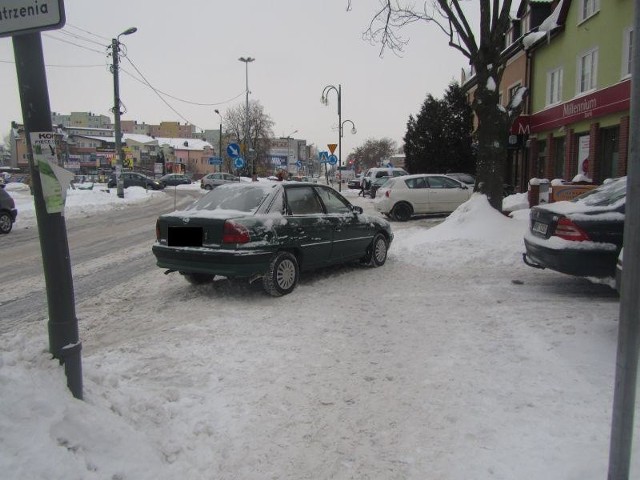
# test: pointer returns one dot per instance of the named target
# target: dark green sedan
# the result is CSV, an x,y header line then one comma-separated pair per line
x,y
268,231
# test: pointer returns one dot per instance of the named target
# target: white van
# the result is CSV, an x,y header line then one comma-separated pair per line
x,y
377,172
344,174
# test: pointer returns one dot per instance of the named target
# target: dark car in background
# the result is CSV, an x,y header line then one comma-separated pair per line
x,y
135,179
8,212
270,232
581,237
173,179
376,183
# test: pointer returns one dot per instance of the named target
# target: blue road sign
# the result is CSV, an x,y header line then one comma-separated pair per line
x,y
333,159
239,162
323,156
299,164
233,150
215,160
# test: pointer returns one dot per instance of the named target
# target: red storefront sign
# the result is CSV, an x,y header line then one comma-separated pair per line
x,y
616,98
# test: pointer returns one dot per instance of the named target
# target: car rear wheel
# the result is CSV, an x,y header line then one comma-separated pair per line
x,y
197,278
401,212
377,251
5,222
208,187
282,275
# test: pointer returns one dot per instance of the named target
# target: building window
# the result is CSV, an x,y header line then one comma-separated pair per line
x,y
587,70
554,86
627,51
588,8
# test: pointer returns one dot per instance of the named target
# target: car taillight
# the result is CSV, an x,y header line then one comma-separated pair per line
x,y
570,231
235,233
387,194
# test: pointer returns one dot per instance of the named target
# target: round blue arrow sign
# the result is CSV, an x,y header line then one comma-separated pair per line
x,y
333,159
239,162
233,150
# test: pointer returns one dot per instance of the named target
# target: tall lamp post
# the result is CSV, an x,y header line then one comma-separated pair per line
x,y
289,147
353,132
115,51
325,100
220,136
247,61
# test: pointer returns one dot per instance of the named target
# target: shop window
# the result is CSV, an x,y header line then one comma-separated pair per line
x,y
542,159
587,70
627,51
588,8
554,86
558,157
609,152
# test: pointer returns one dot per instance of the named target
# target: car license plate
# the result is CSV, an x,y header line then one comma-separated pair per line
x,y
539,227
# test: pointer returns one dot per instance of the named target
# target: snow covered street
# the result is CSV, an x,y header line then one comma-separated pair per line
x,y
454,361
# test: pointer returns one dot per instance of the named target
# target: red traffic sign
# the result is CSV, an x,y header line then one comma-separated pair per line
x,y
18,17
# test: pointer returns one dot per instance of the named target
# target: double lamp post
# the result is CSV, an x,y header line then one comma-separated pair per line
x,y
325,101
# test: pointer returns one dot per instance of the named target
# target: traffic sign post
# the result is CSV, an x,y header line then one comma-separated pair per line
x,y
64,343
20,17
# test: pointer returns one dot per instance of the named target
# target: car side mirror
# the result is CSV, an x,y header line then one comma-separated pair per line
x,y
356,209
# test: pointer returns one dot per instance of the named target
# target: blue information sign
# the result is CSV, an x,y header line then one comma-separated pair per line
x,y
233,150
324,156
215,160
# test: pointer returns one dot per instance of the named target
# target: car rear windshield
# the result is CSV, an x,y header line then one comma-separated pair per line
x,y
606,194
239,197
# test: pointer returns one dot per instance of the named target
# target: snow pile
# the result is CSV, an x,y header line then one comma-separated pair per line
x,y
475,232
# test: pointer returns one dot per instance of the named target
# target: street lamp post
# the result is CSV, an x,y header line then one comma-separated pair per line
x,y
247,61
289,147
324,99
220,137
353,132
115,50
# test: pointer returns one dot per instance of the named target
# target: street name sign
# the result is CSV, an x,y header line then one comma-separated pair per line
x,y
18,17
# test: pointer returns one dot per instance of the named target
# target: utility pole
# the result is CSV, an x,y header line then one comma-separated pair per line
x,y
115,52
624,395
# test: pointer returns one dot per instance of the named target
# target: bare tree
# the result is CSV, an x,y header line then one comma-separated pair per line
x,y
260,128
484,53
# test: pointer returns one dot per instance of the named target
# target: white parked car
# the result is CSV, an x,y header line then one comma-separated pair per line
x,y
212,180
401,197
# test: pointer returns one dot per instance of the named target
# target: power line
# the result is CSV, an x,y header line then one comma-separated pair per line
x,y
71,43
160,96
61,66
79,37
87,31
180,99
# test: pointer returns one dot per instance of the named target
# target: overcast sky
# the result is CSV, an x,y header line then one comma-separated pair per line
x,y
190,50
